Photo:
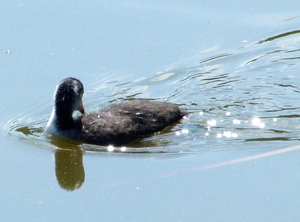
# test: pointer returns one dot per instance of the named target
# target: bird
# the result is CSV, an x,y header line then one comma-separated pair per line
x,y
117,124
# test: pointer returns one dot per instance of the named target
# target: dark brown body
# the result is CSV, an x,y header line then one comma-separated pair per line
x,y
125,122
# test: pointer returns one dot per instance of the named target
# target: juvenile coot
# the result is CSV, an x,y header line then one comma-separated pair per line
x,y
117,124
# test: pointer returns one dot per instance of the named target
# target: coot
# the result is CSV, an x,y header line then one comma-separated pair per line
x,y
117,124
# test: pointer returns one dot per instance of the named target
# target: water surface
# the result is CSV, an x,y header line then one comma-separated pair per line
x,y
232,67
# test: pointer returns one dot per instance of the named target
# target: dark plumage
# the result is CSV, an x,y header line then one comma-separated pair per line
x,y
117,124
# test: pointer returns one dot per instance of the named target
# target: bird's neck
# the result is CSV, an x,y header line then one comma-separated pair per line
x,y
64,119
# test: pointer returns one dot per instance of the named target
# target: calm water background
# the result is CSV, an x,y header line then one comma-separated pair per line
x,y
234,66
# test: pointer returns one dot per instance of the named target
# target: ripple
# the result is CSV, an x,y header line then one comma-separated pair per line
x,y
244,97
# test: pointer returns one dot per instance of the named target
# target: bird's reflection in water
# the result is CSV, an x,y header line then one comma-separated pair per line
x,y
69,168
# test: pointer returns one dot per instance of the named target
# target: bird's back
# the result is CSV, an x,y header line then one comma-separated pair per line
x,y
125,122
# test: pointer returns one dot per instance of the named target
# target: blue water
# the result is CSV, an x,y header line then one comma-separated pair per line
x,y
232,66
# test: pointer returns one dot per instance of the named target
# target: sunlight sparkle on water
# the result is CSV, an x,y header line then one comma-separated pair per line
x,y
183,131
227,134
212,122
257,122
236,121
110,148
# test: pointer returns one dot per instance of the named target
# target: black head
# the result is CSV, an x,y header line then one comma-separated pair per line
x,y
68,96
